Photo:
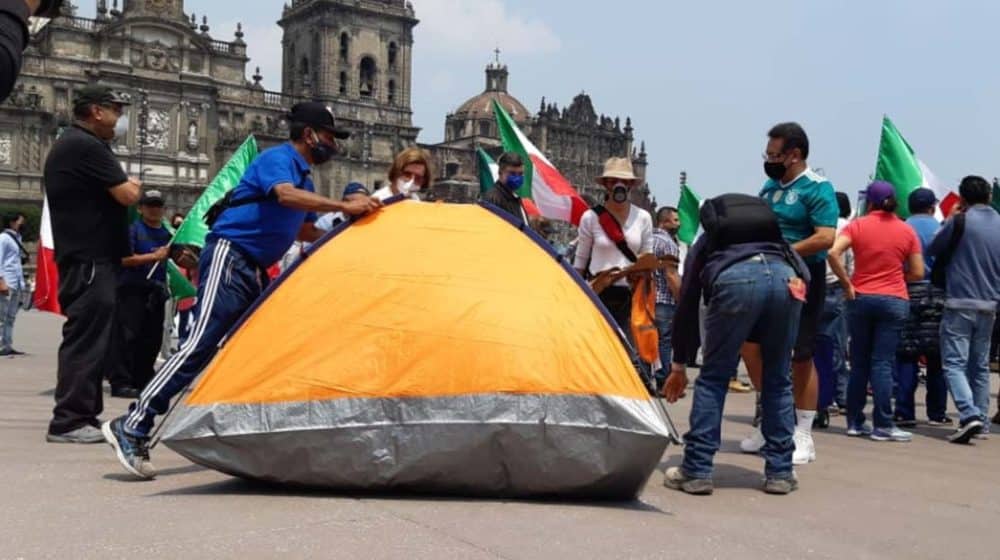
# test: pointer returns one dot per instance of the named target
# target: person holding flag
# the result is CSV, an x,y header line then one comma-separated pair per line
x,y
142,295
253,226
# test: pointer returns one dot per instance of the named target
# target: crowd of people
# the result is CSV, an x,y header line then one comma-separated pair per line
x,y
822,309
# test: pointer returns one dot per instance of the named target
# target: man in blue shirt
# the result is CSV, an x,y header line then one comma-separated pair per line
x,y
807,210
274,204
142,294
971,296
11,279
920,335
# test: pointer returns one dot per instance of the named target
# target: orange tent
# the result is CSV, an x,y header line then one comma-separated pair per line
x,y
431,347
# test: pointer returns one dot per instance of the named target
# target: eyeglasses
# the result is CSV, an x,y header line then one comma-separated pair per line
x,y
773,157
411,176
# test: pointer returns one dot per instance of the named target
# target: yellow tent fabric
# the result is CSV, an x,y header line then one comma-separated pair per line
x,y
383,311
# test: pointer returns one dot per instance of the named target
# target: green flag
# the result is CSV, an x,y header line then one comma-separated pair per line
x,y
488,171
687,210
194,229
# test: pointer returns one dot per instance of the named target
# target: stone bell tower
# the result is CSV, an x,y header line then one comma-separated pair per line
x,y
160,8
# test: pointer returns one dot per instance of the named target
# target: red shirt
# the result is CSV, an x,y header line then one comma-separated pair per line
x,y
881,243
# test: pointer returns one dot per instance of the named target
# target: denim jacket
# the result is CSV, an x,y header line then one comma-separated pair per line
x,y
10,260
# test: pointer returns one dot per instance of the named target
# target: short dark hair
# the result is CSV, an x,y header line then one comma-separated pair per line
x,y
661,214
296,130
844,202
510,159
82,110
975,190
11,217
793,136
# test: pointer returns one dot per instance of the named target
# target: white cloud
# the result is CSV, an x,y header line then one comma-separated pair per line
x,y
263,47
473,28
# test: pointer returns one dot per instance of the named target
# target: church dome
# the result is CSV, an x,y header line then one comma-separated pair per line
x,y
481,106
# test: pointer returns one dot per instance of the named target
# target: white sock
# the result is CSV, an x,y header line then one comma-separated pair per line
x,y
805,419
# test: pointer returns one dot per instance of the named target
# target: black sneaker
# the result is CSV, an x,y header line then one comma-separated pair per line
x,y
822,419
943,421
124,392
904,422
966,431
132,451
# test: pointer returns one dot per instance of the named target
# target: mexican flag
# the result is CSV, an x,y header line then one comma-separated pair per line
x,y
488,171
898,164
177,284
545,190
47,276
194,229
688,210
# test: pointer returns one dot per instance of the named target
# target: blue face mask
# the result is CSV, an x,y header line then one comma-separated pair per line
x,y
514,182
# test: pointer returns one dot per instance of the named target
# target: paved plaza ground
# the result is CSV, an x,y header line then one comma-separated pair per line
x,y
928,499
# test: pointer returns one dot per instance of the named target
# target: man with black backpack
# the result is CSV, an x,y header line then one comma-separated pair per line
x,y
274,203
967,252
753,284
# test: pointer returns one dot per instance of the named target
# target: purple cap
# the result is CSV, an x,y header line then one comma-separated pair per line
x,y
879,191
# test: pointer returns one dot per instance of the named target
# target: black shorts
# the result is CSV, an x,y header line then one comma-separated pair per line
x,y
812,312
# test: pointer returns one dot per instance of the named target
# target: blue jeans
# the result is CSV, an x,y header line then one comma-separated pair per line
x,y
9,305
664,324
231,285
749,299
965,346
906,388
876,322
830,358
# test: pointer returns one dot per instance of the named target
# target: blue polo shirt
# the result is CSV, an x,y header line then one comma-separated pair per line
x,y
926,227
803,205
265,230
143,240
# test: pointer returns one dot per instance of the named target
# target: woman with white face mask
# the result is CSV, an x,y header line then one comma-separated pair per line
x,y
411,172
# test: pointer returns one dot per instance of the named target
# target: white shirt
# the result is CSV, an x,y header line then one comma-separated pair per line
x,y
602,254
848,258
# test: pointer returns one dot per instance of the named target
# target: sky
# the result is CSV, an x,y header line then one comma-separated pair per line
x,y
704,80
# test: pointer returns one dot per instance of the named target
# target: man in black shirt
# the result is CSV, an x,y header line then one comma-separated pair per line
x,y
88,195
504,193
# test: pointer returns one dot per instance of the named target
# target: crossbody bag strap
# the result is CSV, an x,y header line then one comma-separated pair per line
x,y
613,229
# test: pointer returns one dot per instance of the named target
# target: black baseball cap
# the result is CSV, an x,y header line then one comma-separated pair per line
x,y
151,198
921,200
317,115
99,95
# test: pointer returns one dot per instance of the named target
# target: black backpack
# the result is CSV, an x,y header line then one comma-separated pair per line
x,y
732,219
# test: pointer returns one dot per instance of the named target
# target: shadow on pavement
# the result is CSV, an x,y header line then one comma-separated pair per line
x,y
242,487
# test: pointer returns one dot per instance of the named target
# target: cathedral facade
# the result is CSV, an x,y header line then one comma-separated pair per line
x,y
195,99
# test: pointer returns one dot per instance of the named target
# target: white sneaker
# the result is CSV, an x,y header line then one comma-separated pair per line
x,y
805,449
753,443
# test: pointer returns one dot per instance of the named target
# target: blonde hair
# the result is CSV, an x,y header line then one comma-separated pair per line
x,y
410,156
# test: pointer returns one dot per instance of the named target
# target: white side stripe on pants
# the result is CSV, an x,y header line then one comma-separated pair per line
x,y
211,289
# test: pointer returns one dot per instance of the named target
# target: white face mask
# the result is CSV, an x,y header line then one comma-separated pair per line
x,y
405,187
121,127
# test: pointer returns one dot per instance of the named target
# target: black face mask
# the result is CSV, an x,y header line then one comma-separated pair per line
x,y
322,152
775,169
619,194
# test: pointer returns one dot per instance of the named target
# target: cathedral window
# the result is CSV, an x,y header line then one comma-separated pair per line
x,y
484,128
392,92
345,46
366,84
343,83
451,169
393,53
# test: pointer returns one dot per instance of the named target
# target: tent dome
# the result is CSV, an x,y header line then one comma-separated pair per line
x,y
428,347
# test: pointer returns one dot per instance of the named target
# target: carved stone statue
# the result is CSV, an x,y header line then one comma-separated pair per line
x,y
192,139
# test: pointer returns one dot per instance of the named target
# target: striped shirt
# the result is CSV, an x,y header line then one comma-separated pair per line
x,y
663,245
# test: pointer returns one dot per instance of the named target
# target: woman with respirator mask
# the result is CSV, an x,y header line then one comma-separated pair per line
x,y
613,237
411,172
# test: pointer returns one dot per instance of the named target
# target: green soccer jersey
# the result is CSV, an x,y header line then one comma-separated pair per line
x,y
803,205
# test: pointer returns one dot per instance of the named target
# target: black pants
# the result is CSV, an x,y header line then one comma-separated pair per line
x,y
87,297
140,320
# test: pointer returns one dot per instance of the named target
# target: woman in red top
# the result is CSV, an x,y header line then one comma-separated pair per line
x,y
878,305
